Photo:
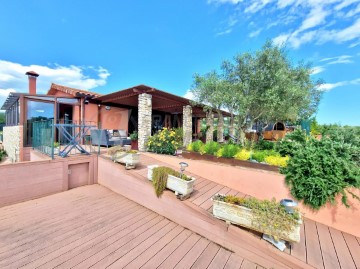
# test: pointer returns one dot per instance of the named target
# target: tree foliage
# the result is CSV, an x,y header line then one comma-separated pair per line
x,y
263,86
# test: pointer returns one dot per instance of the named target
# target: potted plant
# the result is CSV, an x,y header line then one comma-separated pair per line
x,y
56,148
268,217
129,157
134,140
165,177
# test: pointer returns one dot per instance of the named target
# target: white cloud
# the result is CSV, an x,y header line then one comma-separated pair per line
x,y
329,86
189,95
343,59
312,21
13,77
255,33
317,70
226,32
224,1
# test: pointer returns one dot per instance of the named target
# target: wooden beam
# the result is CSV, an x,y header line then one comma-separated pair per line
x,y
167,106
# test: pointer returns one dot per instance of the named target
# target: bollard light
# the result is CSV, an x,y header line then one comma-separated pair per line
x,y
183,166
289,205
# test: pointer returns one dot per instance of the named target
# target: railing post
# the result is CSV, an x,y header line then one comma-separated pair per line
x,y
52,138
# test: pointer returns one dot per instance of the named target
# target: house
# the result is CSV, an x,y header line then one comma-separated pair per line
x,y
140,108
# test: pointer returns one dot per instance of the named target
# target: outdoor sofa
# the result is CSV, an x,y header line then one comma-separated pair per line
x,y
109,138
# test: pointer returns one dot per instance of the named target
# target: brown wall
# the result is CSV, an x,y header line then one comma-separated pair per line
x,y
115,118
29,180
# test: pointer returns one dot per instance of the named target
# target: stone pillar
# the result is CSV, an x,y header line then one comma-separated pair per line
x,y
144,120
209,126
187,125
220,128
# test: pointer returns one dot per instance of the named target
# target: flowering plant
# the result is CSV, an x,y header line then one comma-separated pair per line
x,y
166,141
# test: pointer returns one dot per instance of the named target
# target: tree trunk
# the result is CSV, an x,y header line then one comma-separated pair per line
x,y
220,128
232,127
209,126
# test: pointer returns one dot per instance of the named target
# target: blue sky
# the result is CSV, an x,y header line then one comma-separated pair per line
x,y
105,46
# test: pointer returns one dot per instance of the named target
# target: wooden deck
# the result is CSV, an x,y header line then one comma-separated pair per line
x,y
94,227
320,246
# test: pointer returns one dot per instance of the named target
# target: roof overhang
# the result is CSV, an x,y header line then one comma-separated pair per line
x,y
10,100
161,101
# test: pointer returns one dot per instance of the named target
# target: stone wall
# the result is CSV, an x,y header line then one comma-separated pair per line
x,y
144,120
13,142
187,125
209,127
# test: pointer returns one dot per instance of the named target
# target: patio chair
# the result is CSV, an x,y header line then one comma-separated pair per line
x,y
103,137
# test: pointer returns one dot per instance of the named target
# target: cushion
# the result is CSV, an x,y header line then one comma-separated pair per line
x,y
122,133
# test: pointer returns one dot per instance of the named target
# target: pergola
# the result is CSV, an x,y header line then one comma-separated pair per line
x,y
161,101
148,99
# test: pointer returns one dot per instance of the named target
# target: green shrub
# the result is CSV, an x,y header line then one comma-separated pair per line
x,y
229,150
243,155
134,136
291,143
166,141
195,146
260,155
321,170
264,145
277,160
2,154
210,148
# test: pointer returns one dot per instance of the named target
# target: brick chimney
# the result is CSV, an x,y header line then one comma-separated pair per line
x,y
32,81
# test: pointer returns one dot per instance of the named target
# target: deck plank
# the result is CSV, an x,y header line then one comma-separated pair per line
x,y
298,250
206,257
189,259
208,203
248,265
327,247
148,248
342,250
207,195
162,255
220,259
313,250
234,262
180,252
354,248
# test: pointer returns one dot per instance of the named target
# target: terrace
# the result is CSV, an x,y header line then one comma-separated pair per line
x,y
120,223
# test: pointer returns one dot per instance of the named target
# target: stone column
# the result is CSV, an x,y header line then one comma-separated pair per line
x,y
187,125
209,126
220,128
144,120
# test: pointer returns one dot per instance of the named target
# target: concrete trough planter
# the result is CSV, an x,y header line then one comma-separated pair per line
x,y
243,216
182,188
129,159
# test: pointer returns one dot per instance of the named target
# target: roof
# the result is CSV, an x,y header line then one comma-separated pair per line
x,y
73,91
161,100
32,73
10,100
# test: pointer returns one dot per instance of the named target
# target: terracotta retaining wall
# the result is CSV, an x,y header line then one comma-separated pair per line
x,y
266,185
29,180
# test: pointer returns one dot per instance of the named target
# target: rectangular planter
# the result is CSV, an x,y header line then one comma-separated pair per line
x,y
243,216
129,159
178,185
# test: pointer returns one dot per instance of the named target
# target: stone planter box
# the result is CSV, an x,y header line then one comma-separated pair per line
x,y
129,159
229,161
178,185
242,216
